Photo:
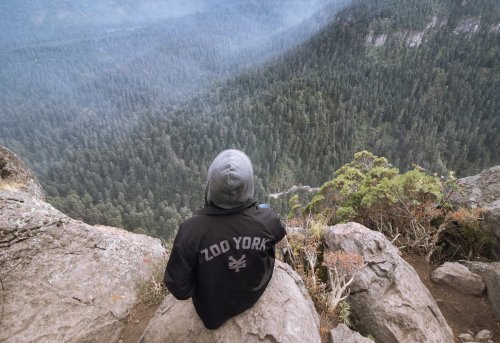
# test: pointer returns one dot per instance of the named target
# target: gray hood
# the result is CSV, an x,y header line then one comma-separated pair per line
x,y
230,180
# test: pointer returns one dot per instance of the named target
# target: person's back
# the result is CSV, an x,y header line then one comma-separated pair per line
x,y
223,256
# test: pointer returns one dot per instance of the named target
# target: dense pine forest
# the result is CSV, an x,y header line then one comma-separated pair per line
x,y
416,81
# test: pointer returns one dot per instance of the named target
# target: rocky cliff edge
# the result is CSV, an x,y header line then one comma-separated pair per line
x,y
62,280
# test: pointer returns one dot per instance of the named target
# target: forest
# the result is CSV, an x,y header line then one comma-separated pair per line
x,y
417,82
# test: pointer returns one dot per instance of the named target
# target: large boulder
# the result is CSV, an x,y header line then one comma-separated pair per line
x,y
62,280
492,281
483,191
284,313
459,277
387,298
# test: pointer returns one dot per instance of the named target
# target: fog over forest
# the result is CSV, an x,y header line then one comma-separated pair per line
x,y
44,21
64,62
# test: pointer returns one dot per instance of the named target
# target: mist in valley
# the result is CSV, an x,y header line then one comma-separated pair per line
x,y
71,68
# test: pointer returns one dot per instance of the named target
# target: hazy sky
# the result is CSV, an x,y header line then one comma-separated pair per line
x,y
38,21
88,53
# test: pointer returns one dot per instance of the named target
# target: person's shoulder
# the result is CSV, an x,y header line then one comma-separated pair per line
x,y
265,210
272,221
265,213
190,233
193,221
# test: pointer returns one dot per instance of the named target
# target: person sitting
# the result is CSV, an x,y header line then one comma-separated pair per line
x,y
223,256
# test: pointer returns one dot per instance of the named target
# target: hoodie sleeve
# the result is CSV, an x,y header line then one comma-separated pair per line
x,y
281,232
181,267
278,227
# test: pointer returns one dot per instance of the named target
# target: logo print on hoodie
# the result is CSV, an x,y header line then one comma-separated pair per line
x,y
237,264
240,243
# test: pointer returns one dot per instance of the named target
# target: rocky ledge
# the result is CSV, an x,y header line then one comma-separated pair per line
x,y
62,280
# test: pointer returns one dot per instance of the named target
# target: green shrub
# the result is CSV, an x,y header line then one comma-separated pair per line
x,y
345,313
411,209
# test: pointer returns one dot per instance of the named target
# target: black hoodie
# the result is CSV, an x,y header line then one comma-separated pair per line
x,y
224,260
223,256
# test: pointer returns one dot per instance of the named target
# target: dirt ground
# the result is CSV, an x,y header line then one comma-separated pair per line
x,y
137,322
463,313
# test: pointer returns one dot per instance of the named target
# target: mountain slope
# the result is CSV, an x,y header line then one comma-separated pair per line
x,y
415,81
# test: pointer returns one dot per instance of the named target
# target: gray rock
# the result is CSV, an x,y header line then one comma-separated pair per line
x,y
475,266
492,281
62,280
14,174
387,299
484,335
492,220
342,334
284,313
458,277
483,190
466,337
